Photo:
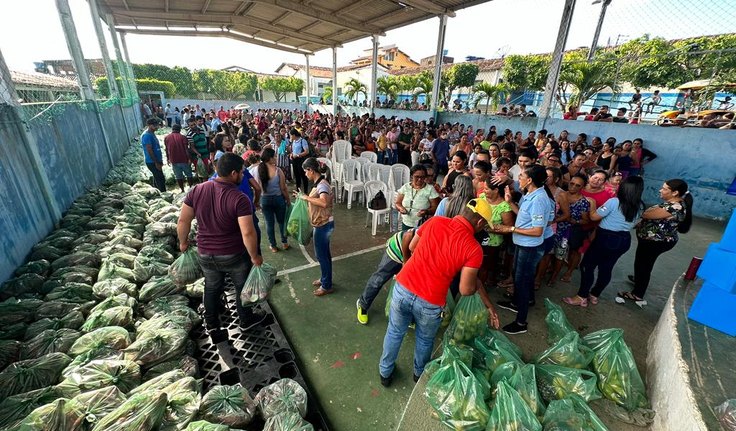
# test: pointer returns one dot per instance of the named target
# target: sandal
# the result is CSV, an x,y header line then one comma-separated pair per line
x,y
322,292
316,283
566,278
286,246
593,299
274,249
628,295
575,300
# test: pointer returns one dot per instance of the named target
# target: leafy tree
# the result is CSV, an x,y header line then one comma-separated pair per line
x,y
280,87
525,72
388,85
582,78
490,92
225,85
354,89
461,75
181,77
146,84
409,84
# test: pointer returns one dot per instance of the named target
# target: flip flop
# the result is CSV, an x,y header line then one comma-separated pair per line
x,y
322,292
316,283
628,295
572,300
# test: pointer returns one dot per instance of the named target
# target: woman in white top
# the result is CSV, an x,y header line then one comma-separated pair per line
x,y
416,199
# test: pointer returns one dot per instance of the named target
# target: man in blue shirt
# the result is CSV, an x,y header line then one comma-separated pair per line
x,y
152,154
441,150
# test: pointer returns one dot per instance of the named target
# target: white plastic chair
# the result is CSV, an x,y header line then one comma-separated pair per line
x,y
399,176
334,181
362,161
366,170
370,155
341,151
371,190
384,174
351,179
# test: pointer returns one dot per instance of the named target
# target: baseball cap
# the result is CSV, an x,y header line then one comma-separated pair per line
x,y
481,207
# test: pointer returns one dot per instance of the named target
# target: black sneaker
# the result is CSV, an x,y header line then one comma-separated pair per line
x,y
218,336
514,328
416,378
386,381
254,320
508,305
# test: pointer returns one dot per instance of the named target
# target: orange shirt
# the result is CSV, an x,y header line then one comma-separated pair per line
x,y
446,245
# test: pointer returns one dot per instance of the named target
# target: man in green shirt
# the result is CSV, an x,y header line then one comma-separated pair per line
x,y
396,253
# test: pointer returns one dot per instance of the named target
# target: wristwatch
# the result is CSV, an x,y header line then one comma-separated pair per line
x,y
513,229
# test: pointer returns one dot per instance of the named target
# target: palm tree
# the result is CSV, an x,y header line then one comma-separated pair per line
x,y
354,89
424,86
387,85
409,84
585,79
327,94
492,93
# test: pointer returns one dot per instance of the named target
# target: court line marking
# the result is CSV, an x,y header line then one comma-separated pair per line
x,y
334,259
306,255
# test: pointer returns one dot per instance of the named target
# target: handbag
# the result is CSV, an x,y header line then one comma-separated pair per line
x,y
378,202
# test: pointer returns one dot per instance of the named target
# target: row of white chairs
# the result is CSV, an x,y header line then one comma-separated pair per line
x,y
356,172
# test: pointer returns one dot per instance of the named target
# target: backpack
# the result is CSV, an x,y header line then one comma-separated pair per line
x,y
378,202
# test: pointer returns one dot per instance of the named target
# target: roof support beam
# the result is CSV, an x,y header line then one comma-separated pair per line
x,y
242,22
324,16
337,33
125,3
282,17
310,25
244,8
428,6
166,6
229,35
206,5
351,7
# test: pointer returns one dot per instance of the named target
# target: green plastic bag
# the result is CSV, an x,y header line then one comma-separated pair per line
x,y
158,286
187,364
141,412
555,383
156,346
185,268
227,405
49,341
258,285
60,415
113,337
101,373
9,352
14,408
618,376
390,297
183,404
456,394
31,374
490,353
523,379
201,168
449,310
102,353
571,414
511,412
469,320
113,287
451,351
287,421
97,404
569,352
206,426
282,396
557,323
299,225
113,316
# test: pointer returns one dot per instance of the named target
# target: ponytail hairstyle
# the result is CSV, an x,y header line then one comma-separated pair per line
x,y
680,186
266,155
315,165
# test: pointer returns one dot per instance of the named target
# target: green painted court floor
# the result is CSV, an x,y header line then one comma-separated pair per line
x,y
339,357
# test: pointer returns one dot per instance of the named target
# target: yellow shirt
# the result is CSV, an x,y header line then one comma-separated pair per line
x,y
382,143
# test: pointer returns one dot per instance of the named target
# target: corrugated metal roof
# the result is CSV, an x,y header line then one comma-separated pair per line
x,y
299,26
43,80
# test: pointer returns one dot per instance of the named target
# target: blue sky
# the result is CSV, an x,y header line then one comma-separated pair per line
x,y
31,32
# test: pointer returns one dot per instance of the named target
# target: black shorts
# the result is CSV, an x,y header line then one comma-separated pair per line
x,y
549,245
577,237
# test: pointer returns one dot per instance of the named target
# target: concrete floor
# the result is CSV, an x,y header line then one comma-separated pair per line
x,y
339,357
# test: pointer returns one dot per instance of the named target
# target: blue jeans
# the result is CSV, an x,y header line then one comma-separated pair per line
x,y
215,268
274,207
406,308
392,156
387,268
381,157
159,180
322,235
526,260
605,250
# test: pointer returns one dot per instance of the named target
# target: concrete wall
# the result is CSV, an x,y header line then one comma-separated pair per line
x,y
73,158
388,113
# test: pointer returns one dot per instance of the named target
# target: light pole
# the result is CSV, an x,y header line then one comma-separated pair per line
x,y
601,17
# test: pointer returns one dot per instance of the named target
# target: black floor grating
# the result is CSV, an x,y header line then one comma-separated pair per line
x,y
260,356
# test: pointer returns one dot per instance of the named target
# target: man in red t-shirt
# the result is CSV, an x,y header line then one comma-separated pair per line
x,y
177,155
226,241
441,248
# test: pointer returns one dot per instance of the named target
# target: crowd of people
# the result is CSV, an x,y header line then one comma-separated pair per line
x,y
482,209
